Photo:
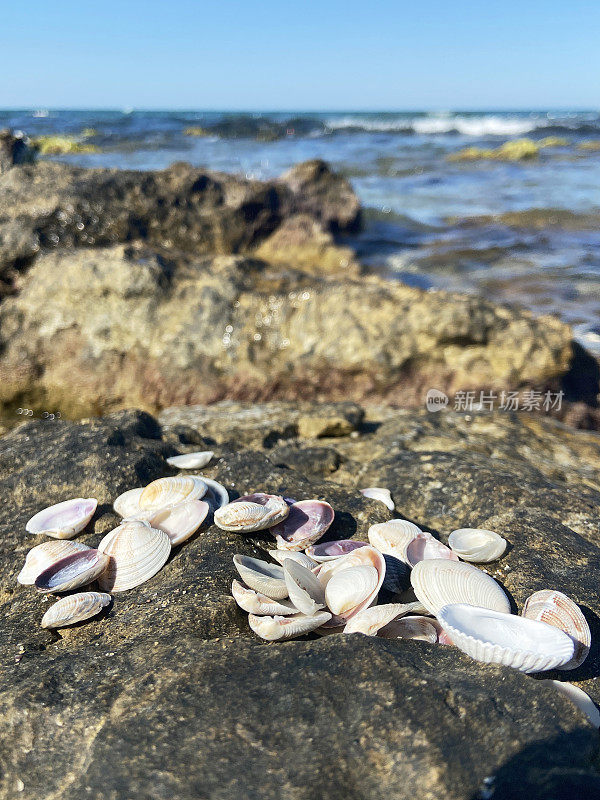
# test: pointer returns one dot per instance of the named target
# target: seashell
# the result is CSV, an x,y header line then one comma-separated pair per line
x,y
477,545
127,505
44,555
295,555
350,587
304,588
63,520
217,494
168,492
377,493
393,537
306,522
245,515
397,575
328,551
577,696
75,608
440,582
257,603
363,555
499,638
370,620
72,571
274,629
191,460
261,576
181,521
423,629
425,547
137,553
555,608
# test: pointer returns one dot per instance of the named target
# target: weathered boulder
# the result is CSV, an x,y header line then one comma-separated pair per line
x,y
14,149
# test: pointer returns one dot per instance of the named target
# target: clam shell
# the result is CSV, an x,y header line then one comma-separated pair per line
x,y
349,588
362,556
306,522
423,629
397,575
328,551
137,553
477,545
377,493
577,696
191,460
281,555
74,608
274,629
304,589
393,537
268,579
259,604
44,555
498,638
181,521
72,571
63,520
127,505
167,492
217,494
424,547
439,582
246,515
555,608
370,620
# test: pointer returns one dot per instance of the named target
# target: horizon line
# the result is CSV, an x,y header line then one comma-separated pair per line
x,y
424,110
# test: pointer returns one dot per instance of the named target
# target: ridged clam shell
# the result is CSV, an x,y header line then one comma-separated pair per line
x,y
167,492
328,551
499,638
349,588
555,608
44,555
439,582
181,521
423,629
268,579
74,608
577,696
304,589
256,603
63,520
362,556
377,493
477,545
370,620
191,460
397,575
425,547
127,505
302,558
72,571
393,537
274,629
137,552
304,525
246,515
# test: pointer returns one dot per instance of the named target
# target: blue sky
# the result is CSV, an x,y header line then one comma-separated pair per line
x,y
266,54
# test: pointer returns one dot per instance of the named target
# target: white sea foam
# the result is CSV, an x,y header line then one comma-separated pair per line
x,y
476,126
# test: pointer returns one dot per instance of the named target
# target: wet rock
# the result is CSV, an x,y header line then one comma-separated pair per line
x,y
15,148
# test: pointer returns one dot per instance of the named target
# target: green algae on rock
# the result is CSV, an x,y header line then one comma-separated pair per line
x,y
61,145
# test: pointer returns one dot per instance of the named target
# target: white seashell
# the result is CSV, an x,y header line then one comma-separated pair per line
x,y
181,521
304,589
425,547
328,551
44,555
274,629
577,696
127,505
306,523
75,608
137,553
393,537
360,557
350,587
423,629
555,608
168,492
377,493
63,520
257,603
72,571
370,620
217,495
439,582
302,558
261,576
191,460
499,638
477,545
246,515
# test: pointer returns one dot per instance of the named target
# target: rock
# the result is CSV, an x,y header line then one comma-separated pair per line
x,y
15,148
515,150
61,145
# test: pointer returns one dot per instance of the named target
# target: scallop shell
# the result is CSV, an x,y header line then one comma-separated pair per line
x,y
477,545
72,571
305,524
328,551
181,521
281,555
423,629
137,552
246,515
191,460
74,608
555,608
377,493
259,604
304,589
168,492
499,638
370,620
393,537
439,582
425,547
274,629
349,588
127,505
63,520
44,555
261,576
577,696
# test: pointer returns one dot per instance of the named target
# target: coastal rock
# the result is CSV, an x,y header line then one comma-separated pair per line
x,y
15,148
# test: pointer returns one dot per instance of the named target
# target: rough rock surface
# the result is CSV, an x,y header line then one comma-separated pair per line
x,y
169,694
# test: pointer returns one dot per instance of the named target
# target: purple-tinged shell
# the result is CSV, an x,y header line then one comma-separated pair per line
x,y
72,571
307,521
